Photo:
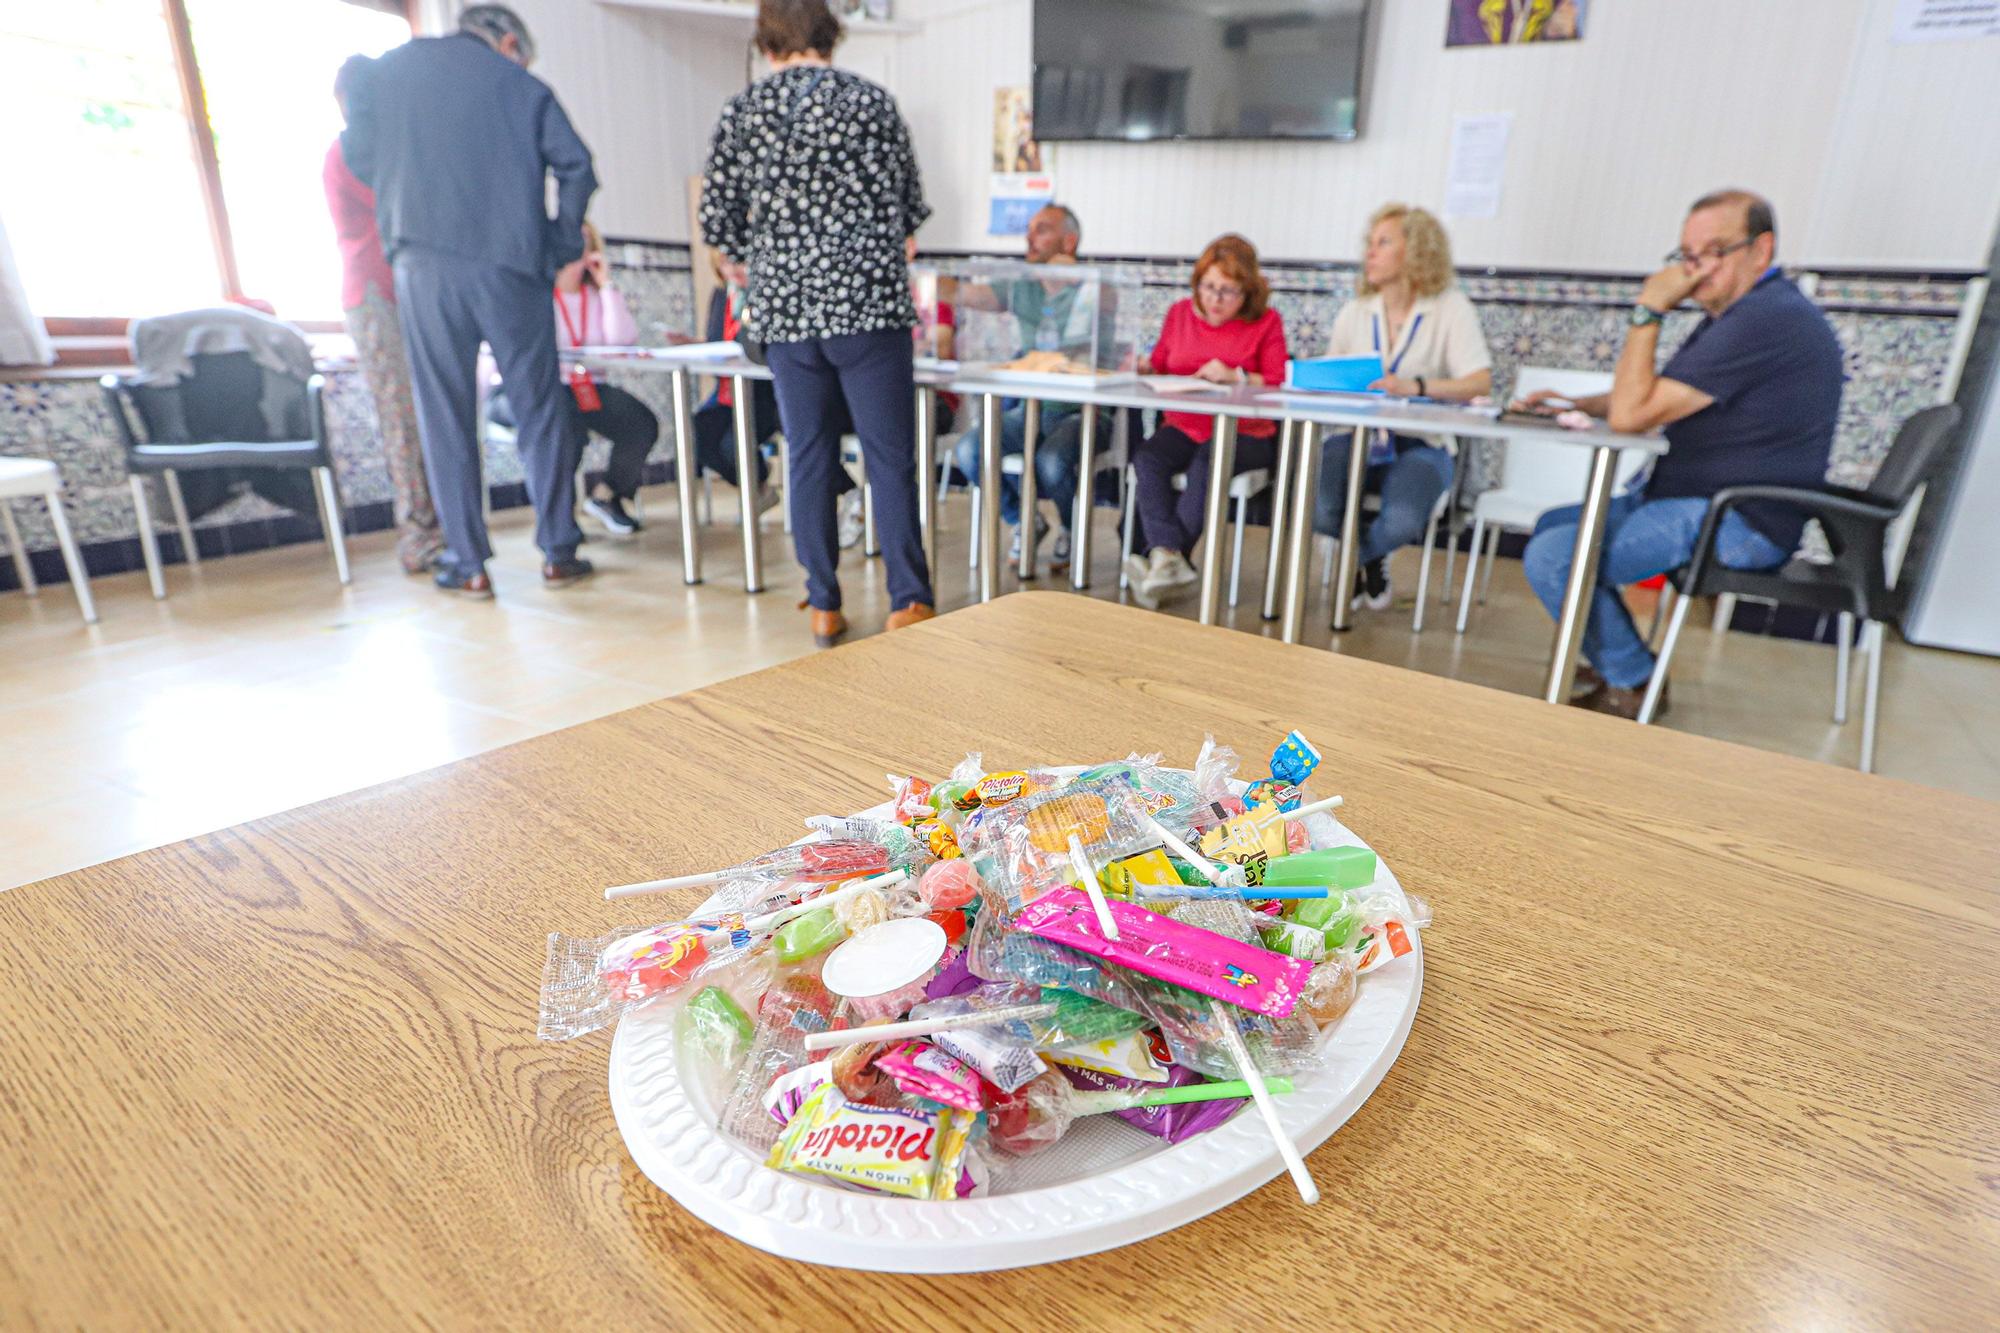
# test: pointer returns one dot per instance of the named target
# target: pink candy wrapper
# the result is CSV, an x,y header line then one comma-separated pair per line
x,y
922,1070
1159,946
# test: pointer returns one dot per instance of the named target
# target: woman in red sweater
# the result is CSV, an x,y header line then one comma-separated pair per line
x,y
1228,334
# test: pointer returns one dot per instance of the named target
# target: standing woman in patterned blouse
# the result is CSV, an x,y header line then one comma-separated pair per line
x,y
811,183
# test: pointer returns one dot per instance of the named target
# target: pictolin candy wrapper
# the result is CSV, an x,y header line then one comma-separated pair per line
x,y
915,1154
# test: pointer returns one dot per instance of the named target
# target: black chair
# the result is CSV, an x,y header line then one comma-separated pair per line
x,y
1861,582
229,420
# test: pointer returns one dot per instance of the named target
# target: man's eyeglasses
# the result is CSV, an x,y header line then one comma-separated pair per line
x,y
1714,252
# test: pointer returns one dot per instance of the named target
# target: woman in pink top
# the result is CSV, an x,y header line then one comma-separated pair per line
x,y
591,313
1228,334
368,295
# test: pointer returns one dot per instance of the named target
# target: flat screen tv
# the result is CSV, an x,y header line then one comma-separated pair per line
x,y
1198,69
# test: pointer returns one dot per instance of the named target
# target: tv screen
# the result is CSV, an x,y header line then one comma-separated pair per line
x,y
1198,69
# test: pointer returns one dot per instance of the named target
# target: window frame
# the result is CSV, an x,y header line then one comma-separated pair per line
x,y
85,340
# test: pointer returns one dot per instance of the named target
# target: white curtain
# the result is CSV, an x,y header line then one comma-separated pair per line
x,y
23,340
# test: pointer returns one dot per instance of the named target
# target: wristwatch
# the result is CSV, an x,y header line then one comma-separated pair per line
x,y
1642,315
1423,389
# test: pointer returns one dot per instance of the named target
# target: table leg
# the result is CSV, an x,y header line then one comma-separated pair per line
x,y
685,481
989,497
927,472
1086,501
1029,438
745,412
1215,516
1350,528
1281,490
1582,574
1299,529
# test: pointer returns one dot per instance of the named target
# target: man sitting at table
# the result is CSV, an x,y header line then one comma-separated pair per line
x,y
1051,318
1751,398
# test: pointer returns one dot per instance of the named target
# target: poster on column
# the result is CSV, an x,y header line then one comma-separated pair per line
x,y
1946,20
1513,22
1020,187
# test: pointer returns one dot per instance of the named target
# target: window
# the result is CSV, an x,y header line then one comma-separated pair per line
x,y
110,203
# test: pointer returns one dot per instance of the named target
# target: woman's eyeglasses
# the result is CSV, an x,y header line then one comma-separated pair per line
x,y
1215,292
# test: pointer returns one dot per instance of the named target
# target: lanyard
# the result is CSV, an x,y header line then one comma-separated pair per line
x,y
581,329
1408,338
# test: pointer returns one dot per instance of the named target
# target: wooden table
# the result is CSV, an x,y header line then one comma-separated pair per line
x,y
1709,1037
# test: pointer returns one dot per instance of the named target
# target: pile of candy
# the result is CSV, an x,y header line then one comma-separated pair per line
x,y
904,1005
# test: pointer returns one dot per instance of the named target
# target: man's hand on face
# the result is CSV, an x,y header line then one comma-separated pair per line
x,y
1668,288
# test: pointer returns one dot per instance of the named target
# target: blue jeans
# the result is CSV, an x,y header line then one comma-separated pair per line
x,y
1409,487
1058,449
1641,538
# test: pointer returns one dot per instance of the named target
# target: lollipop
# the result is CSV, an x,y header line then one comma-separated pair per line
x,y
1041,1111
819,862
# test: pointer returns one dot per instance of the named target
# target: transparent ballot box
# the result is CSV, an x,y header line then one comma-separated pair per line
x,y
1039,323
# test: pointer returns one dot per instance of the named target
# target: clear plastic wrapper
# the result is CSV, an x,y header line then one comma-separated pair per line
x,y
1175,1122
1142,1056
1021,849
1042,1111
795,1006
1330,991
907,852
949,884
588,983
1214,767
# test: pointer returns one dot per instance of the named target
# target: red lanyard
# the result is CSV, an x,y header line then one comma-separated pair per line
x,y
576,334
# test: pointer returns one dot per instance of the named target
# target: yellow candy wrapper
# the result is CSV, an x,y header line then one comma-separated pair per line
x,y
891,1149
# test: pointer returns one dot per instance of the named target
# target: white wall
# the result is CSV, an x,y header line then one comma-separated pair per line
x,y
643,90
1874,155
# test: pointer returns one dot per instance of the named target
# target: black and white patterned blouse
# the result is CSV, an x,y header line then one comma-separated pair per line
x,y
817,204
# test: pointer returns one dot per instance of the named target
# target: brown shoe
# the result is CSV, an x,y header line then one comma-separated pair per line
x,y
1588,682
914,613
1622,703
829,627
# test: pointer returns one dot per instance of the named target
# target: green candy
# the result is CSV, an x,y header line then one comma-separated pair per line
x,y
1333,916
718,1021
1335,867
1290,937
813,933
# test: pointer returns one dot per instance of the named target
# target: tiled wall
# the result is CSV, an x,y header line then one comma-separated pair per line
x,y
1898,335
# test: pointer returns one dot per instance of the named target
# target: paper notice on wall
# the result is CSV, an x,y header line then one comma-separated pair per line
x,y
1478,165
1946,20
1017,197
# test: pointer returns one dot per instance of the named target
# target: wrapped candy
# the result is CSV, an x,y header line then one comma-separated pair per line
x,y
1135,1055
821,862
1041,1112
1330,990
588,983
854,1073
795,1006
1021,850
948,884
923,1070
906,851
916,1154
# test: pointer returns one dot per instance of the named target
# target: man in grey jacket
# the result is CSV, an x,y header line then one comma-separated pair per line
x,y
458,140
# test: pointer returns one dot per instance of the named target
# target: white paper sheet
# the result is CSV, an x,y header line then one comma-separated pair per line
x,y
1946,20
1478,165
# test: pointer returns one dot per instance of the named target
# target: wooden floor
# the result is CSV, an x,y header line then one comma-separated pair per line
x,y
261,684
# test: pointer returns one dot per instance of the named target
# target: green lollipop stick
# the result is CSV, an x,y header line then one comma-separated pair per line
x,y
1093,1103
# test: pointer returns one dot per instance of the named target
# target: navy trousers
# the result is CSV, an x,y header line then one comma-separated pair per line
x,y
869,379
447,305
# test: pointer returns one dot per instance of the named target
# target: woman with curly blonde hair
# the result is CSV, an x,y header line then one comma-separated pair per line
x,y
1408,311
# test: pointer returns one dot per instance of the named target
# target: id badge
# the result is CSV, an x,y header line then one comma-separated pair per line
x,y
585,389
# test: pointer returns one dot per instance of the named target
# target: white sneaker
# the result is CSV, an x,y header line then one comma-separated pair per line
x,y
851,523
1136,570
1059,553
1167,573
1014,548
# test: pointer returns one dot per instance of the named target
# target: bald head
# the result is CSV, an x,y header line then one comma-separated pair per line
x,y
1053,232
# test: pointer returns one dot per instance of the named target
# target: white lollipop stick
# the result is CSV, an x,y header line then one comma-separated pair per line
x,y
1240,1053
1203,865
924,1027
667,885
1088,875
772,920
1313,809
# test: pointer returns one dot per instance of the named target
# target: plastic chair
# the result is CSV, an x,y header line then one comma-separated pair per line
x,y
24,478
216,419
1445,503
1869,531
1535,478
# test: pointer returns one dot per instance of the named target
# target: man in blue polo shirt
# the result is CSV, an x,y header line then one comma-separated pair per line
x,y
1751,398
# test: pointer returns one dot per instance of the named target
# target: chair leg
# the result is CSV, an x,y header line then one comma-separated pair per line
x,y
189,551
1450,547
707,500
1471,570
79,577
1651,703
1492,559
148,543
1871,644
336,531
1236,550
1424,575
871,541
1124,527
972,555
22,569
1725,611
1332,550
785,477
1661,605
1843,651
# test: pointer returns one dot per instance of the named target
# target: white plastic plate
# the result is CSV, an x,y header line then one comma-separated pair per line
x,y
1103,1185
